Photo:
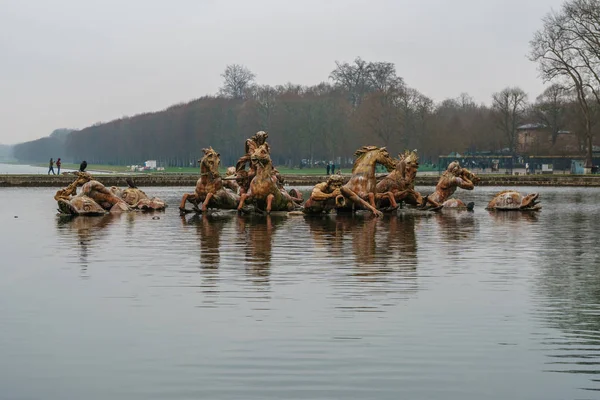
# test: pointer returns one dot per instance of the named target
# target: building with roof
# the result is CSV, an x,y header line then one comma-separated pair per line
x,y
538,139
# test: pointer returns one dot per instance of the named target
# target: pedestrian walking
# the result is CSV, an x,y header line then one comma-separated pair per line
x,y
58,164
51,167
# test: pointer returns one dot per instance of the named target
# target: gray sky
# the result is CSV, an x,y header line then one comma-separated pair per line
x,y
72,63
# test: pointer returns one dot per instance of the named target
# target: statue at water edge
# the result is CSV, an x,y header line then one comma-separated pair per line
x,y
210,190
511,200
265,190
360,191
137,198
454,177
401,183
97,199
325,196
94,198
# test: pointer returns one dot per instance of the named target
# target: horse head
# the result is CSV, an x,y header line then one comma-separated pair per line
x,y
211,161
408,164
368,156
261,156
384,158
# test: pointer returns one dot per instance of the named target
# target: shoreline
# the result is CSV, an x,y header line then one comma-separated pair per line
x,y
149,180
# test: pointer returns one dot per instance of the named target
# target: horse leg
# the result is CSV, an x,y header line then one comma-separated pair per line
x,y
372,199
186,197
205,203
357,200
270,198
392,200
390,197
243,198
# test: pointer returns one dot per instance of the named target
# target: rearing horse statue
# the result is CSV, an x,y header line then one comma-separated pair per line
x,y
401,182
265,191
360,190
209,187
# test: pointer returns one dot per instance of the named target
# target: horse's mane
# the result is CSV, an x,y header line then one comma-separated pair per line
x,y
360,154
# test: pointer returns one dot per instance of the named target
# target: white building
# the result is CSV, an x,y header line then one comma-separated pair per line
x,y
150,164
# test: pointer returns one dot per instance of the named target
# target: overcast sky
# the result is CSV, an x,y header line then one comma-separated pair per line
x,y
72,63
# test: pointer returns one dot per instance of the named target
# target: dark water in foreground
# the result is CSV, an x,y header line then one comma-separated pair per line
x,y
451,306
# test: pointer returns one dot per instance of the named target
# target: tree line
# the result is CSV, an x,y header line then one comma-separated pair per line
x,y
362,102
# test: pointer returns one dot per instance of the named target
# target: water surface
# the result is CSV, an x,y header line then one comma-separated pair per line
x,y
455,305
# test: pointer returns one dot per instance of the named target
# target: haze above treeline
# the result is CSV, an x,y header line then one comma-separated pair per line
x,y
361,101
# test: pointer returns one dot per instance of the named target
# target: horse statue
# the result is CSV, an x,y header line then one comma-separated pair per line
x,y
360,191
265,190
401,182
210,190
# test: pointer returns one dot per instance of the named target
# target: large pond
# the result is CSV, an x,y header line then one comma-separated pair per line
x,y
433,306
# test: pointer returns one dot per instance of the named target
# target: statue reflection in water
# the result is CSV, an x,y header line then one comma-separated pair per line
x,y
85,230
209,228
457,234
383,254
516,216
457,226
258,244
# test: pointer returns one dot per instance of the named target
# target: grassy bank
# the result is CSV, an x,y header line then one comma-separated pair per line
x,y
196,170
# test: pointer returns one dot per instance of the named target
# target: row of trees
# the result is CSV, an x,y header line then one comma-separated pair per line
x,y
362,103
567,50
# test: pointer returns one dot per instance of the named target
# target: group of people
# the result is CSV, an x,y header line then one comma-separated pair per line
x,y
58,163
330,168
51,166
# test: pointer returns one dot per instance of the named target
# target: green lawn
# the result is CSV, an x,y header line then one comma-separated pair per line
x,y
196,170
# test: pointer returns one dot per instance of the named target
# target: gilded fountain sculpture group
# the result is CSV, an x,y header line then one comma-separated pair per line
x,y
255,185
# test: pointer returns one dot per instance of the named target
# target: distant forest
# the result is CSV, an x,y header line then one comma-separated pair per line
x,y
365,103
361,103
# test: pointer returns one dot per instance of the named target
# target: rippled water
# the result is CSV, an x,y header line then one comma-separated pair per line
x,y
455,305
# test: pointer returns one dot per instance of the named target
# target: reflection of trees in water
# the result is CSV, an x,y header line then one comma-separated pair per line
x,y
568,288
258,244
85,230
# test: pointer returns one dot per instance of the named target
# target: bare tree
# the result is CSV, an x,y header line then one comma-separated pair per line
x,y
567,50
237,80
354,78
382,77
551,108
510,107
266,99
